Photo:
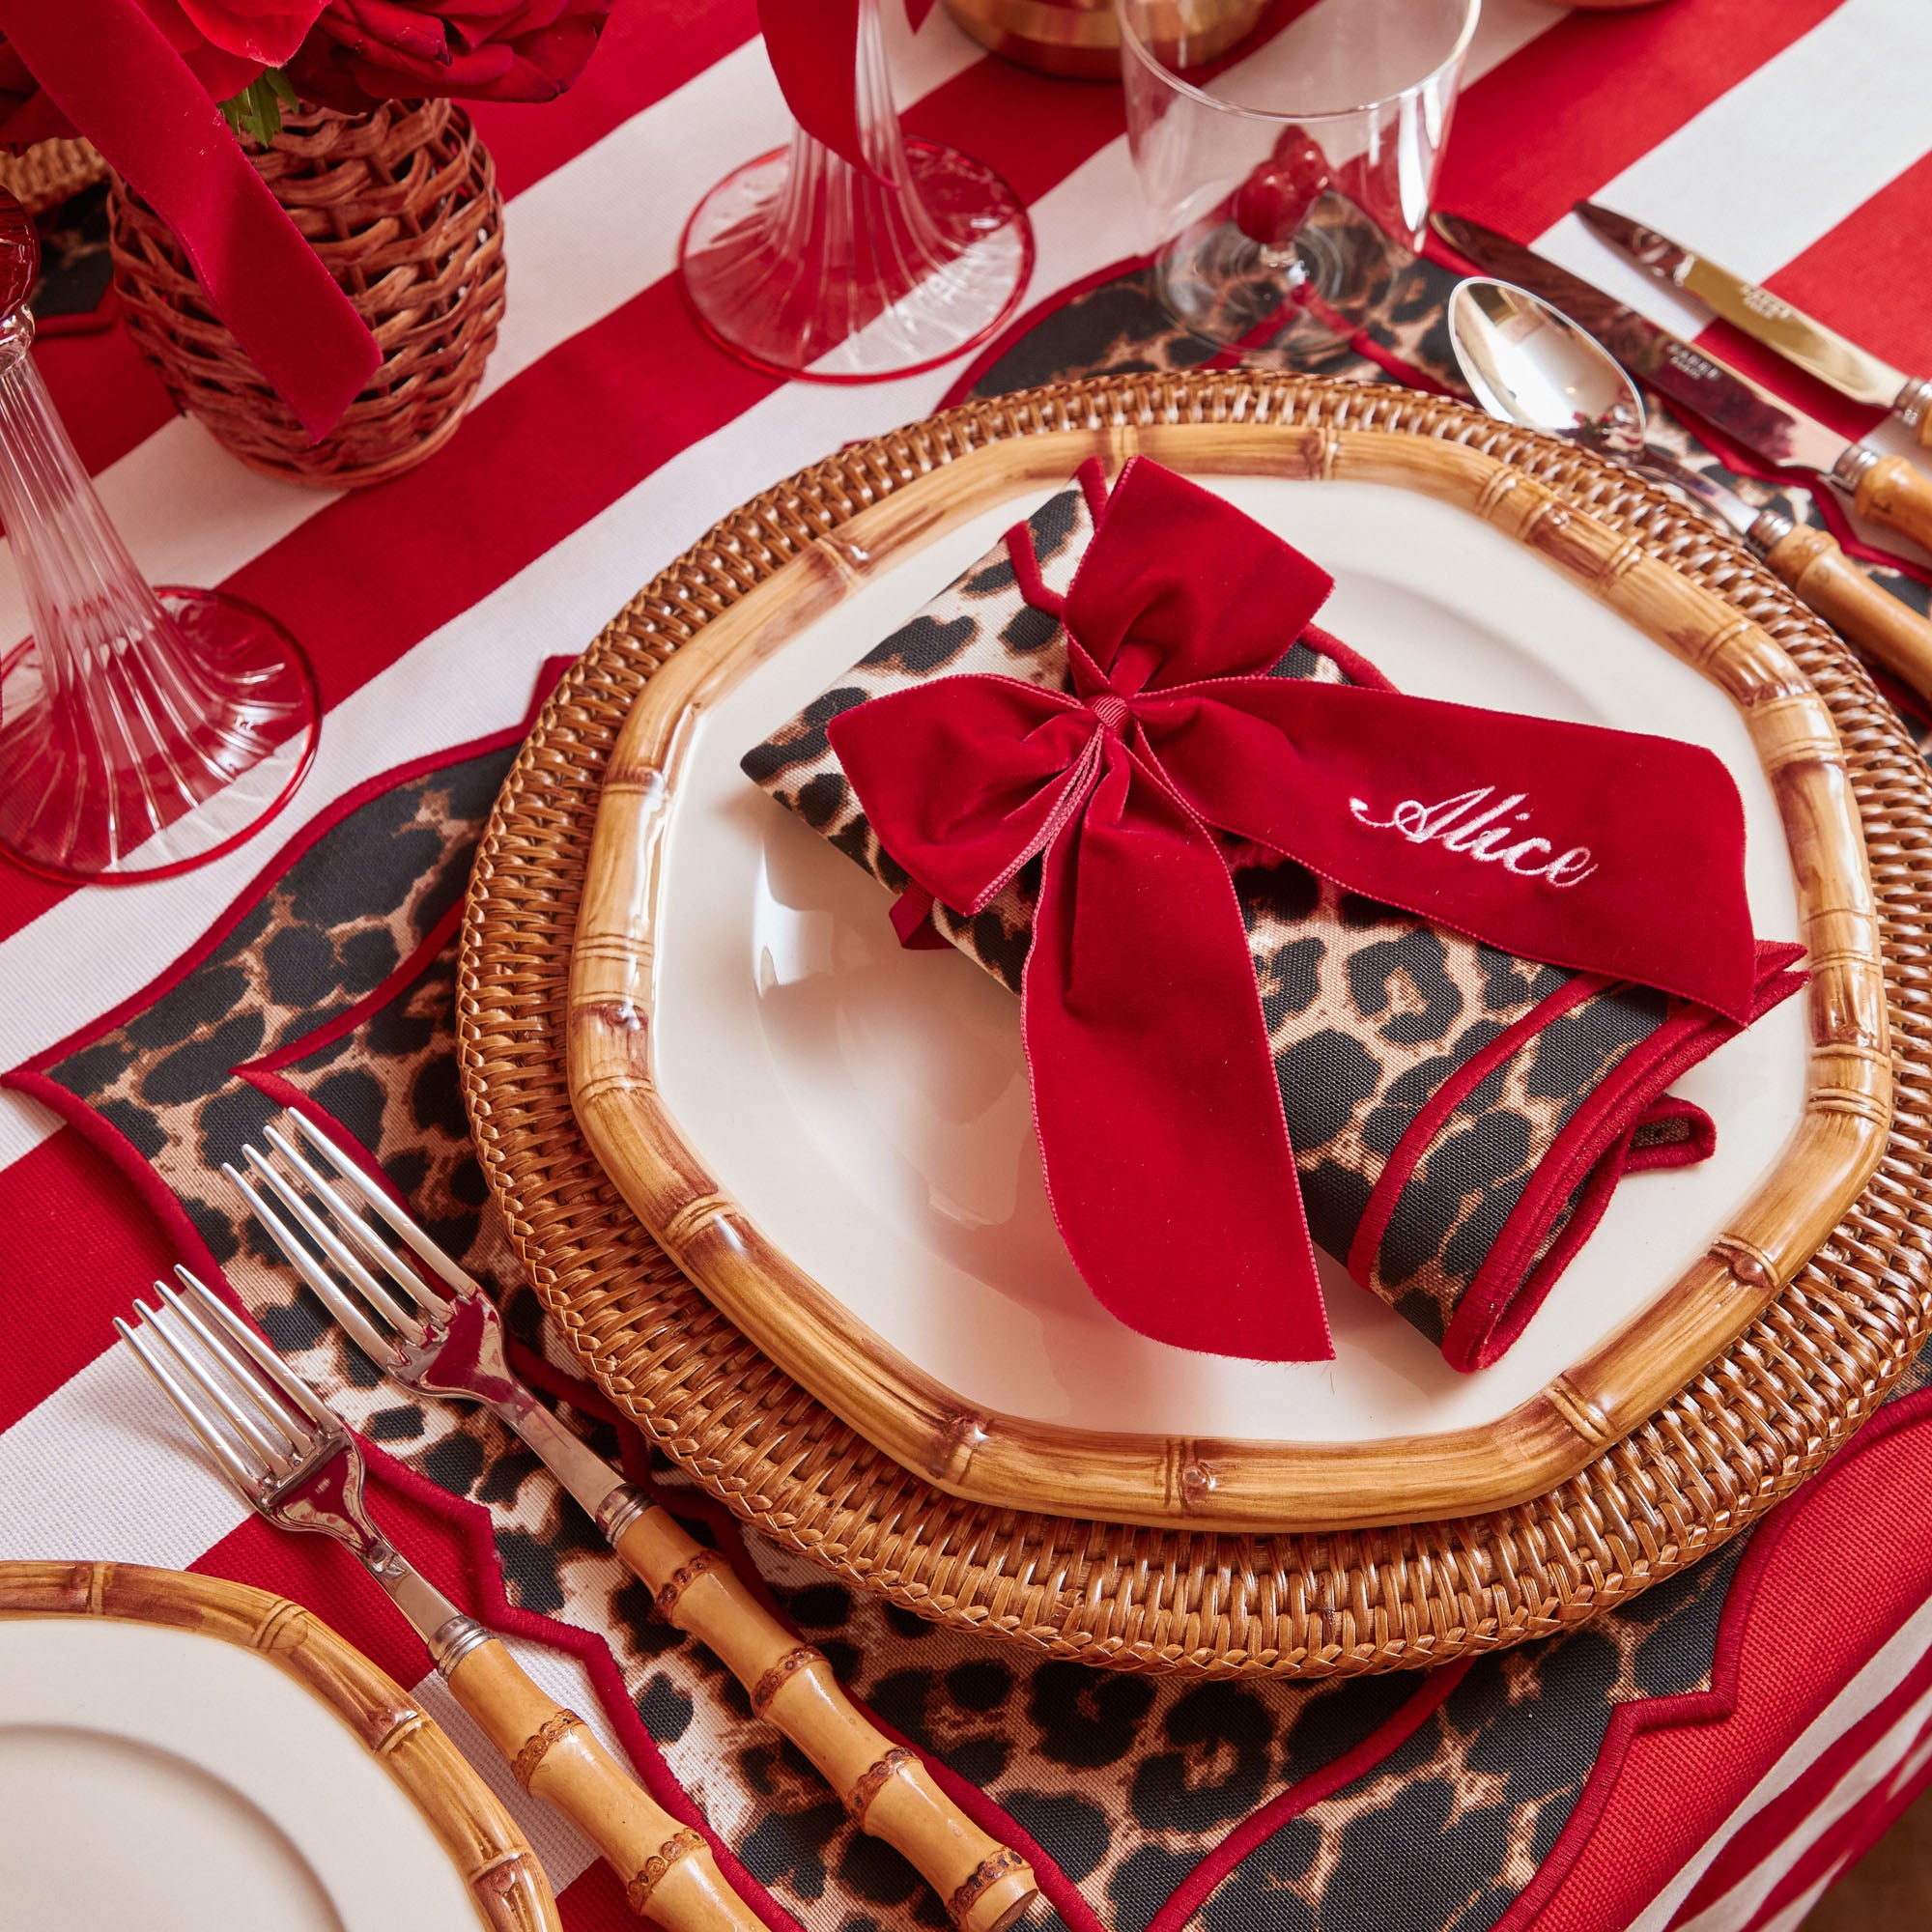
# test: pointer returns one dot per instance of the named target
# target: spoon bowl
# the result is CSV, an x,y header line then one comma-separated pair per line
x,y
1529,365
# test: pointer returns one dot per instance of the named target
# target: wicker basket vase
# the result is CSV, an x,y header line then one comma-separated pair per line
x,y
400,204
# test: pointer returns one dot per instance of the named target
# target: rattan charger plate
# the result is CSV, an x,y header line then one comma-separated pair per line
x,y
1746,1432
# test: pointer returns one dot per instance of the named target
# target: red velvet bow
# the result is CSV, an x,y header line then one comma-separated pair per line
x,y
813,48
1160,1120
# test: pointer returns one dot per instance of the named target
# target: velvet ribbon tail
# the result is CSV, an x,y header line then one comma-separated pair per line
x,y
112,72
813,48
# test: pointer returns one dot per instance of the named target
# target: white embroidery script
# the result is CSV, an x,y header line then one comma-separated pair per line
x,y
1484,828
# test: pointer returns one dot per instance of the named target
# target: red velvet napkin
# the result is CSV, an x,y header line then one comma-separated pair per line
x,y
1079,738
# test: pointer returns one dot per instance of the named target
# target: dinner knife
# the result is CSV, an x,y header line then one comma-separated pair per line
x,y
1769,319
1886,489
1809,560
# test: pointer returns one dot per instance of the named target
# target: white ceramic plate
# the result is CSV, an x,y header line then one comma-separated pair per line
x,y
158,1778
868,1106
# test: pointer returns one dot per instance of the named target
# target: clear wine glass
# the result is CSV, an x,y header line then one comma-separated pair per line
x,y
803,264
1284,182
143,731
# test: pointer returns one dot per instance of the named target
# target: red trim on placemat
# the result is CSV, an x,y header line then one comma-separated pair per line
x,y
1258,1826
1776,1665
1420,1134
1499,1303
305,838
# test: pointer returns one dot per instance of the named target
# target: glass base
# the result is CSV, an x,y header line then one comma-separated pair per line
x,y
152,763
1297,302
842,283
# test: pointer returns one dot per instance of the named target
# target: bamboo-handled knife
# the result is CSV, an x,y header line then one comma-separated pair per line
x,y
1769,319
1809,560
1886,489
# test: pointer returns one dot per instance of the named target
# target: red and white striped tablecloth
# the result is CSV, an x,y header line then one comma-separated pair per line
x,y
1791,138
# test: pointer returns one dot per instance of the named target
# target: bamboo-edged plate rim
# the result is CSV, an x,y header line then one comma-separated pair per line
x,y
1758,1420
503,1876
1013,1462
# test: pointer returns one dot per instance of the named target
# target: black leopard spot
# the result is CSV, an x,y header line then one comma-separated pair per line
x,y
355,1099
1285,892
94,1067
202,1065
1458,1165
436,1100
1290,980
1255,1896
1324,1079
1422,1312
1087,1717
368,958
1054,524
789,1847
1335,1198
402,1424
1074,1833
300,964
921,647
1355,910
982,1685
1029,630
1004,952
1304,661
802,741
821,1606
141,1129
529,1568
1422,956
821,800
1509,982
454,1464
1222,1736
664,1710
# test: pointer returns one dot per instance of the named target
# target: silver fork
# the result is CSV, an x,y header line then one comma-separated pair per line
x,y
427,1324
296,1463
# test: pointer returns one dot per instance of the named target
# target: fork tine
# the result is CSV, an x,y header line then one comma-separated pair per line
x,y
359,1230
187,1403
272,1364
439,1264
380,1347
258,1411
330,1244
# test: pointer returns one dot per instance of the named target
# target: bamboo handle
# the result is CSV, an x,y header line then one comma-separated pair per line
x,y
666,1869
1887,629
885,1788
1925,429
1894,494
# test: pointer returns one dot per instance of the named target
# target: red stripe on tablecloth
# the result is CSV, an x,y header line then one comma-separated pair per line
x,y
112,400
1849,279
74,1262
375,572
1591,94
1779,1665
1760,1835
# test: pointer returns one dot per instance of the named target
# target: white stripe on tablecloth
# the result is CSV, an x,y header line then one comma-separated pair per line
x,y
1775,163
1887,1668
583,239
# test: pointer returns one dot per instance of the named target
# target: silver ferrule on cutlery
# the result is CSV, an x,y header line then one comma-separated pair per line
x,y
421,1318
1766,318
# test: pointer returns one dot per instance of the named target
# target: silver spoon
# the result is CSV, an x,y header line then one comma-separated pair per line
x,y
1527,363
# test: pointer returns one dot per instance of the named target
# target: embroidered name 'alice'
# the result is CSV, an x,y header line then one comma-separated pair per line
x,y
1470,824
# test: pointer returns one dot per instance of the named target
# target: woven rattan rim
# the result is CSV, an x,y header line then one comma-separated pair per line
x,y
1743,1436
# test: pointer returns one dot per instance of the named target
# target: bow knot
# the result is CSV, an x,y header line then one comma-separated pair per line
x,y
1166,1151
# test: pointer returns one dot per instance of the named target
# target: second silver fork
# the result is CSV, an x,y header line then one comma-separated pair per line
x,y
427,1324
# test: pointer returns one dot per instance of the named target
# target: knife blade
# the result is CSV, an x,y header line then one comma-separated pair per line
x,y
1885,489
1769,319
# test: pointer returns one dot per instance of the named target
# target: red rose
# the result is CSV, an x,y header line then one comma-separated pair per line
x,y
263,32
363,51
226,44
